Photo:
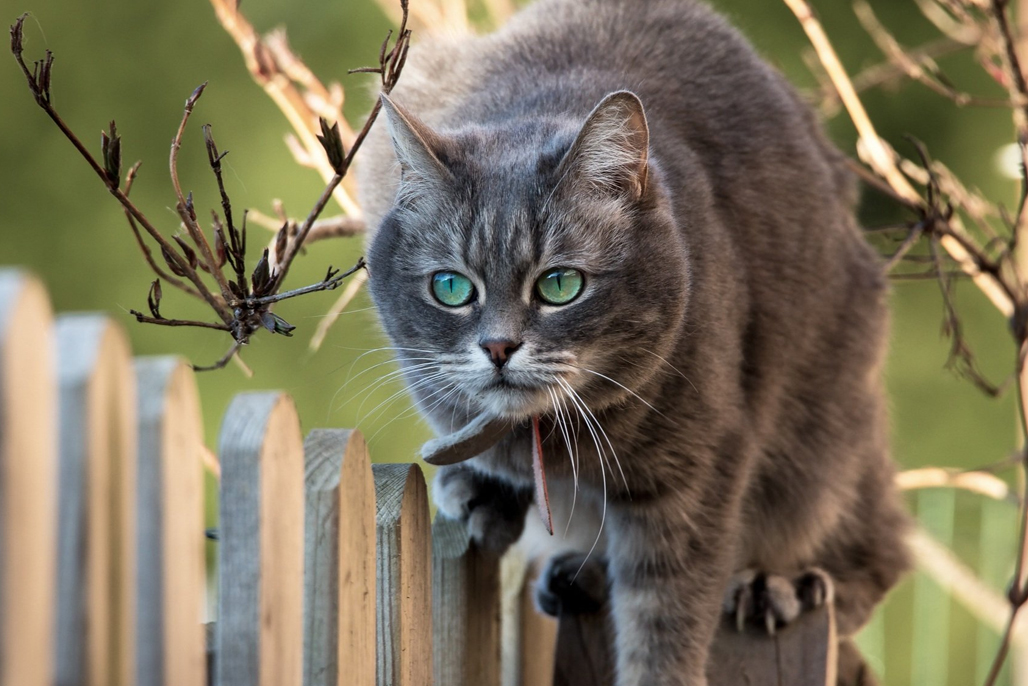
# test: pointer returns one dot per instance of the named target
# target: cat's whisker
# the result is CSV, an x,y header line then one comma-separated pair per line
x,y
398,394
603,472
451,387
581,403
381,381
558,413
677,370
350,380
621,385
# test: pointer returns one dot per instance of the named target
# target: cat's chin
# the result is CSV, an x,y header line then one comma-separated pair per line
x,y
516,402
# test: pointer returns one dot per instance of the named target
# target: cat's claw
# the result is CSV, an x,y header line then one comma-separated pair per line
x,y
774,601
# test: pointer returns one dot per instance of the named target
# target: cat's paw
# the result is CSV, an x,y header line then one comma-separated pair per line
x,y
493,510
572,584
772,601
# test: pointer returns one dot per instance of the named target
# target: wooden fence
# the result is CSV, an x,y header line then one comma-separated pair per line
x,y
329,570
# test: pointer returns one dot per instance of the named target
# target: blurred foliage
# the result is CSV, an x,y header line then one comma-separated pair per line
x,y
137,62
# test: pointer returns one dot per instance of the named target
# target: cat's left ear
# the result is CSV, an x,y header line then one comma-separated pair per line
x,y
415,144
611,152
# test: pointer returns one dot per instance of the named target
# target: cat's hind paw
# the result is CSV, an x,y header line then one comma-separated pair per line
x,y
772,601
493,510
571,583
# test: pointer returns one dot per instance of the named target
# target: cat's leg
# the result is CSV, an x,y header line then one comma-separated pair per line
x,y
493,509
667,577
866,555
572,583
772,601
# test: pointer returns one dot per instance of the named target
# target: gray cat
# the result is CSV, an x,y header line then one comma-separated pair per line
x,y
612,216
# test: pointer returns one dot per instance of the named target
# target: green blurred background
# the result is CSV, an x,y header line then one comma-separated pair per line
x,y
137,61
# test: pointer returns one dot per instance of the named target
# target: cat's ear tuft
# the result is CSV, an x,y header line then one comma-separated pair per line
x,y
611,152
416,146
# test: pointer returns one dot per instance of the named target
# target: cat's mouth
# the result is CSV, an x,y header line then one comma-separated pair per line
x,y
516,398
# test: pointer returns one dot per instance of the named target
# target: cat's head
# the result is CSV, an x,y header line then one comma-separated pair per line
x,y
528,262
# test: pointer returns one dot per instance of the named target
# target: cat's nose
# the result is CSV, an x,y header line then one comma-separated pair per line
x,y
499,351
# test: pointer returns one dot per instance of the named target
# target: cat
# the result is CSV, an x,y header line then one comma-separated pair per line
x,y
612,215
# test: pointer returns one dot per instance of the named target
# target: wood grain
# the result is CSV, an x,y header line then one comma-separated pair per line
x,y
465,608
28,481
97,491
260,551
171,582
803,654
404,616
339,560
528,637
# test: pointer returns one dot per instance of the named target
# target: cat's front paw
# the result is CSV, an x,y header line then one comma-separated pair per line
x,y
572,583
772,601
493,510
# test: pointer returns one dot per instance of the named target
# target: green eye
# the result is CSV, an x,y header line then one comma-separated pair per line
x,y
559,286
452,289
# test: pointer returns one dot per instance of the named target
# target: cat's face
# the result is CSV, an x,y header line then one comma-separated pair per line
x,y
522,269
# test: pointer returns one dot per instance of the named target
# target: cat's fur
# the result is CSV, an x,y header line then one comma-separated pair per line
x,y
733,319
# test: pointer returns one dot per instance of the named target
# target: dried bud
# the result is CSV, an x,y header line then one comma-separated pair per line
x,y
261,277
110,147
280,242
197,92
42,71
220,252
187,251
172,262
153,299
275,324
17,29
237,290
189,206
332,142
213,156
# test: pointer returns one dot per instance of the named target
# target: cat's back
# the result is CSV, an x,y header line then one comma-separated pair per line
x,y
702,84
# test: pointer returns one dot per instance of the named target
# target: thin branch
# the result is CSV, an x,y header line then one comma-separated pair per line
x,y
140,317
914,68
330,318
881,158
185,207
39,84
220,364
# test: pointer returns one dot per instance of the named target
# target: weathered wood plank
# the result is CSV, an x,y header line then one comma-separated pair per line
x,y
803,654
404,616
28,481
260,551
465,608
171,583
529,638
97,493
339,560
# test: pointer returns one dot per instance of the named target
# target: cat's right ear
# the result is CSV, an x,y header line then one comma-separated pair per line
x,y
610,155
415,145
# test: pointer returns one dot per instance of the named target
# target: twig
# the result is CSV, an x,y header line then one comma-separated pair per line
x,y
244,304
880,157
348,294
914,68
980,482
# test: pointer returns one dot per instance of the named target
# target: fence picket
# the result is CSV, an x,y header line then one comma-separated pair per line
x,y
465,608
260,552
97,487
930,649
171,639
404,570
28,481
339,560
